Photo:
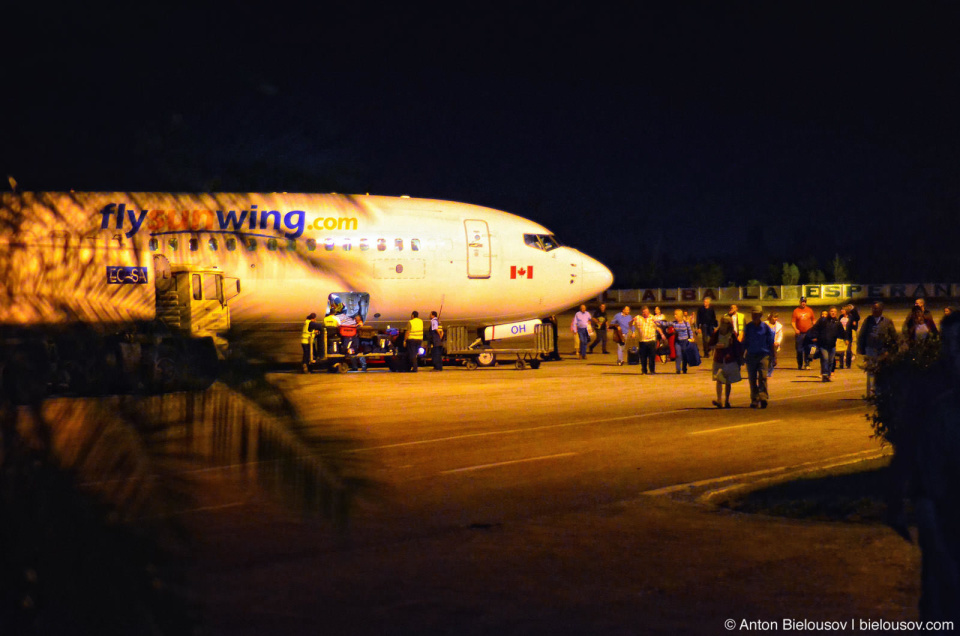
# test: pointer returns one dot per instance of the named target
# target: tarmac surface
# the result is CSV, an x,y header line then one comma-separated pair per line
x,y
572,499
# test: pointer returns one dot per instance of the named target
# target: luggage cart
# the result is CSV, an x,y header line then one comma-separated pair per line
x,y
327,351
459,339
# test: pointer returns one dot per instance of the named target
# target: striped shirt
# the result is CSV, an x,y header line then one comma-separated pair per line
x,y
682,329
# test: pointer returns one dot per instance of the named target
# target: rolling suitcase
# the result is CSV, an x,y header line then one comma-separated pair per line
x,y
633,355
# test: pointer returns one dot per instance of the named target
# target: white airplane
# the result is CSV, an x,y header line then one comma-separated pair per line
x,y
95,257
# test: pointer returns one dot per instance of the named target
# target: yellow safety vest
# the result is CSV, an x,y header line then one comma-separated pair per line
x,y
415,329
306,336
740,324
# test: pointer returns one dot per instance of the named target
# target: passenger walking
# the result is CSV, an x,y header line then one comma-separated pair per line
x,y
581,326
436,341
726,351
843,342
648,331
622,326
683,338
774,321
307,336
802,320
706,324
825,334
919,324
600,328
414,339
758,338
853,326
878,337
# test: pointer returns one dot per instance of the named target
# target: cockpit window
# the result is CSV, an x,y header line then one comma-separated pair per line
x,y
545,242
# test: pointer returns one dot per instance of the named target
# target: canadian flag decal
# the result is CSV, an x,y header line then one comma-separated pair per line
x,y
521,272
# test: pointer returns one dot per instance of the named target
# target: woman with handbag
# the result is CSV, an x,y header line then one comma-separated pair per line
x,y
727,352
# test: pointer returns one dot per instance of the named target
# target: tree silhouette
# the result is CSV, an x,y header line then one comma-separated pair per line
x,y
90,486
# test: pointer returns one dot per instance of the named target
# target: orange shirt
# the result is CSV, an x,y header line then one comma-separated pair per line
x,y
803,318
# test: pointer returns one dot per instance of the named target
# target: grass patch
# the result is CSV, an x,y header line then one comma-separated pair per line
x,y
854,494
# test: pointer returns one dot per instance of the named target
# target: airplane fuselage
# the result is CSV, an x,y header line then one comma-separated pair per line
x,y
93,256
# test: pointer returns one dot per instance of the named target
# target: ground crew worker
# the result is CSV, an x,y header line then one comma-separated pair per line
x,y
436,341
353,348
307,334
736,318
414,339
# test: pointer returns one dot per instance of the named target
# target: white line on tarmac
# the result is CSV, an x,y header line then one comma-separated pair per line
x,y
837,462
546,427
515,461
514,431
728,428
758,473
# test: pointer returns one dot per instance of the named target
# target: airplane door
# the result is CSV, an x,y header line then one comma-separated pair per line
x,y
478,248
162,278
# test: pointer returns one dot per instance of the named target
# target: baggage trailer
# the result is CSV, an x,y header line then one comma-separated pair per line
x,y
328,353
458,345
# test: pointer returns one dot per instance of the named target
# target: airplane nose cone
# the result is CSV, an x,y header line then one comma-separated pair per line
x,y
596,277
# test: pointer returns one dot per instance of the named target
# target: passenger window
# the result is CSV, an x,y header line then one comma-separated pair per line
x,y
291,245
251,245
414,245
398,245
154,245
173,243
347,245
231,244
213,244
194,245
381,245
311,245
272,245
197,288
329,244
364,245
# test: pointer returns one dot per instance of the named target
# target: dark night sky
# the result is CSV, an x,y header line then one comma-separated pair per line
x,y
752,133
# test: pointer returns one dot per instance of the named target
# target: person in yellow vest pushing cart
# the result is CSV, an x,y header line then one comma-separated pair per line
x,y
307,335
